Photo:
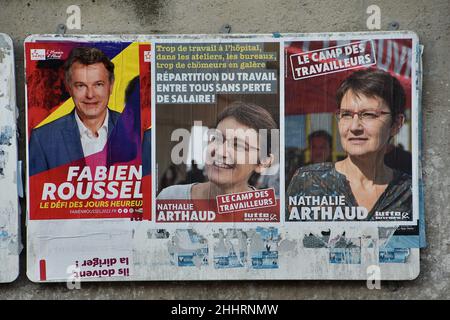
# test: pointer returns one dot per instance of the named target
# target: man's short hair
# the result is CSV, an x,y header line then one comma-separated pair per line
x,y
88,56
320,134
375,83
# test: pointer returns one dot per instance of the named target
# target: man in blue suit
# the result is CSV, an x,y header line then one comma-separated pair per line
x,y
89,77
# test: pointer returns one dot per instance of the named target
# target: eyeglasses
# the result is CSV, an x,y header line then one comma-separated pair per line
x,y
237,145
363,116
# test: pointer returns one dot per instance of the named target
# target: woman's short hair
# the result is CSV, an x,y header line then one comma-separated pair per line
x,y
375,83
252,116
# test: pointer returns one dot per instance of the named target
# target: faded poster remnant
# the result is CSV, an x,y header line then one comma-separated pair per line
x,y
9,207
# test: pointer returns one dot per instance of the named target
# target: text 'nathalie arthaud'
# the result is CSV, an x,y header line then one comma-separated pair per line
x,y
327,208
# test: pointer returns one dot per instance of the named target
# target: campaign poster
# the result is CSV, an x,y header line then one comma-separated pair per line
x,y
217,110
217,155
88,154
10,181
352,152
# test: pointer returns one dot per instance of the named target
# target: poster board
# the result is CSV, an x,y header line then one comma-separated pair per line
x,y
230,120
10,174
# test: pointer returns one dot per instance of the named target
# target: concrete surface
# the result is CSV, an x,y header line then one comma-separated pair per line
x,y
429,19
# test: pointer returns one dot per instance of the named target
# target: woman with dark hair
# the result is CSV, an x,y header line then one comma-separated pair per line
x,y
370,113
231,148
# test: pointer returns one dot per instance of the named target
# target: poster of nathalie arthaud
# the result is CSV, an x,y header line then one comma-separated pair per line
x,y
351,153
270,156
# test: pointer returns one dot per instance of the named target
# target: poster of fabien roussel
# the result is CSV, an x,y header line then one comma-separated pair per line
x,y
88,120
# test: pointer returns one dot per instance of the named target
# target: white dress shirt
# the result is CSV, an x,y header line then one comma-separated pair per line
x,y
89,141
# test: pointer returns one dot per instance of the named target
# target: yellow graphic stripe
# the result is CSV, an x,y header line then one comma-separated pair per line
x,y
126,68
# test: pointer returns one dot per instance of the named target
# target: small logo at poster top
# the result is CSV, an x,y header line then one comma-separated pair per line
x,y
147,56
38,54
54,54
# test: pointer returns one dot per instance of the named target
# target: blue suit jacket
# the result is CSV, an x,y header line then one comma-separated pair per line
x,y
59,142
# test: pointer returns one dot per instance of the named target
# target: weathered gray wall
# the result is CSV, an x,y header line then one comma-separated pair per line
x,y
430,19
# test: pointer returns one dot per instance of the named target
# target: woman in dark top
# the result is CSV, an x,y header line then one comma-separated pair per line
x,y
370,113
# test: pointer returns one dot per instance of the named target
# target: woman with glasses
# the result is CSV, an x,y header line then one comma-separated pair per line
x,y
370,113
235,151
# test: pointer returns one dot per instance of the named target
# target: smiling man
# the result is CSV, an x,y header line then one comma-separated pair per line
x,y
89,78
